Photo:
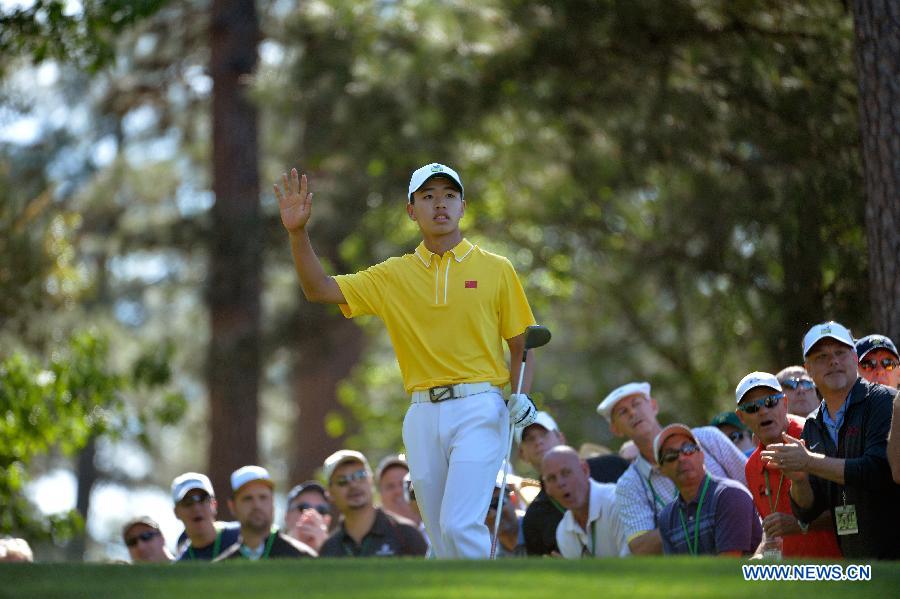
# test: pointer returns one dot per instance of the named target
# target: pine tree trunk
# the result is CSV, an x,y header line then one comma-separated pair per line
x,y
877,24
328,347
236,246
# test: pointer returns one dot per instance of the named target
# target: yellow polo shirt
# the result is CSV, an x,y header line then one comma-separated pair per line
x,y
447,316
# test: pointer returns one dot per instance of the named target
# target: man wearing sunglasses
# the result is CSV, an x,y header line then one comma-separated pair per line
x,y
309,515
145,541
195,506
365,531
879,361
799,391
762,407
643,490
710,515
253,505
840,462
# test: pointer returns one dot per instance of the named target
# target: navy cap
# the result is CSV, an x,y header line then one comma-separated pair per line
x,y
873,342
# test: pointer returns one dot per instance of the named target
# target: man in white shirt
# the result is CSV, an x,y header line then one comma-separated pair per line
x,y
590,527
642,492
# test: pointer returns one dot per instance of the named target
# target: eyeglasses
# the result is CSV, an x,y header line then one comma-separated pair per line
x,y
322,509
189,500
736,436
672,455
795,382
343,481
144,536
885,363
752,407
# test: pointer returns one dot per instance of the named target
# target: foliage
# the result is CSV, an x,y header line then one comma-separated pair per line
x,y
59,405
85,36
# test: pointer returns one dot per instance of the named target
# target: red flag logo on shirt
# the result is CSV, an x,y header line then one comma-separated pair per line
x,y
471,284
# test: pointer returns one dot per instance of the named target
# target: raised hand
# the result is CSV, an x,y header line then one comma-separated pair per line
x,y
790,456
295,202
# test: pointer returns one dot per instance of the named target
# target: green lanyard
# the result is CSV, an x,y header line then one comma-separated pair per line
x,y
593,549
216,546
773,506
696,547
656,496
269,542
557,505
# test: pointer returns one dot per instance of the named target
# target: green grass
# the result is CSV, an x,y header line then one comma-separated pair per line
x,y
657,578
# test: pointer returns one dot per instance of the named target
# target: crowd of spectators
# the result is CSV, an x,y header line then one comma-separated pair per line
x,y
806,465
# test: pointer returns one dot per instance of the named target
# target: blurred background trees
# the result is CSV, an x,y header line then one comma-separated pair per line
x,y
679,184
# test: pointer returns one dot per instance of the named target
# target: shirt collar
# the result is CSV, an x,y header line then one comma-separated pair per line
x,y
595,510
644,467
460,252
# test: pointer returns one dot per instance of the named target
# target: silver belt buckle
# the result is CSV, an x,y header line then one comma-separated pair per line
x,y
439,394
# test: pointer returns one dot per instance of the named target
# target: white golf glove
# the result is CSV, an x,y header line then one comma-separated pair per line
x,y
522,411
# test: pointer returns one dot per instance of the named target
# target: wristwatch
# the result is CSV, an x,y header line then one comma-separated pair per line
x,y
804,527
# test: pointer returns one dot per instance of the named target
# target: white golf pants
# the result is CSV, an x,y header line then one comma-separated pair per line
x,y
455,449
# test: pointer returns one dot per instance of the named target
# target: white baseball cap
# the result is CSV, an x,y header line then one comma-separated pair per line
x,y
606,406
542,418
389,462
188,482
249,474
428,171
342,456
754,380
672,429
832,329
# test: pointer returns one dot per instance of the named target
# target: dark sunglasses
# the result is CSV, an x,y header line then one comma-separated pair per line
x,y
343,481
770,401
672,455
885,363
144,536
795,382
189,500
322,509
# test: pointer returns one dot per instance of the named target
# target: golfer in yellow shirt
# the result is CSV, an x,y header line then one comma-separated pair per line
x,y
448,307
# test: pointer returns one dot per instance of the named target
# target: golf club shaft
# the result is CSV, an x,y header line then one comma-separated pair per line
x,y
499,513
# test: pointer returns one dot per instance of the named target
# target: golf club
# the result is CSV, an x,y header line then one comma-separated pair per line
x,y
535,336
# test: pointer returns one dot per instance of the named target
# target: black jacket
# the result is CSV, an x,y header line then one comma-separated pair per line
x,y
862,442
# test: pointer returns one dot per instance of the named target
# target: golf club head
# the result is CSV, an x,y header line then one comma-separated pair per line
x,y
536,336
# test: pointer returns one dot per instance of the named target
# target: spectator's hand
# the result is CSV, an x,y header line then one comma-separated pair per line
x,y
790,456
295,202
521,410
779,524
311,528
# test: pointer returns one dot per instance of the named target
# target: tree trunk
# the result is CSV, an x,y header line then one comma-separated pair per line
x,y
86,473
236,246
877,24
328,347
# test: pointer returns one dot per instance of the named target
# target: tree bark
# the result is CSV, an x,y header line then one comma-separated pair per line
x,y
86,475
877,25
328,347
236,246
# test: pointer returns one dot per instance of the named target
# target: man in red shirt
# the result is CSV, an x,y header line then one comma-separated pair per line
x,y
762,407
